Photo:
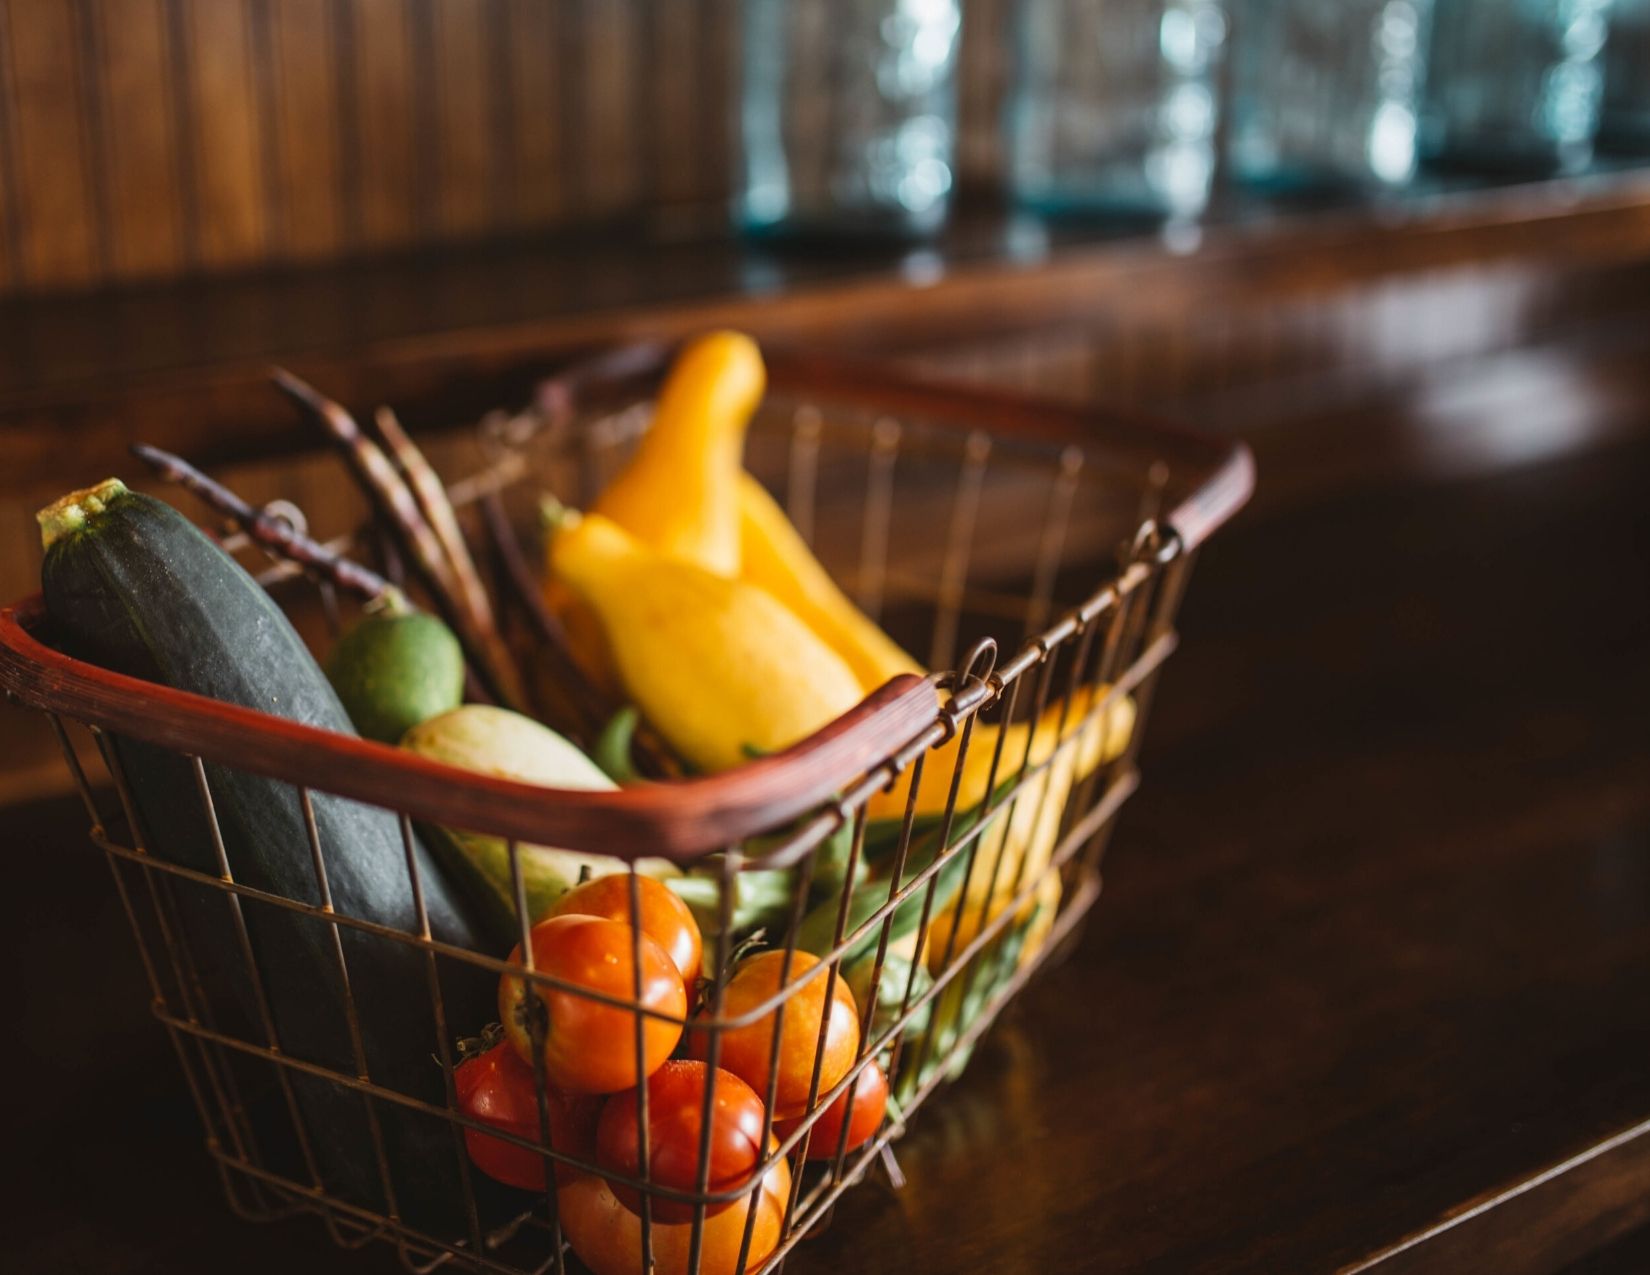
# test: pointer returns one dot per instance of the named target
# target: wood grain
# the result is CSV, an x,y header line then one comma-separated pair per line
x,y
1212,480
384,90
309,168
537,66
607,63
140,126
683,820
460,82
1374,945
227,131
57,219
1286,299
153,139
675,87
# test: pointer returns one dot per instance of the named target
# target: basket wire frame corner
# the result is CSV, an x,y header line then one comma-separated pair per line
x,y
1063,677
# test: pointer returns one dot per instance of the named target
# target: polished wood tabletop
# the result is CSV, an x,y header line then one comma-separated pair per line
x,y
1369,983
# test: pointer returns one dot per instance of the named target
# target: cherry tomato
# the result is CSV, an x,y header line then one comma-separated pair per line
x,y
498,1088
608,1237
665,918
675,1107
590,1047
745,1050
870,1095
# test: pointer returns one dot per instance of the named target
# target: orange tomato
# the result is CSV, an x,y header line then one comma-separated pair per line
x,y
745,1050
870,1095
499,1089
607,1237
590,1047
675,1119
665,918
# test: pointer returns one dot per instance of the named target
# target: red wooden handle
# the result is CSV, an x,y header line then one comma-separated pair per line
x,y
680,820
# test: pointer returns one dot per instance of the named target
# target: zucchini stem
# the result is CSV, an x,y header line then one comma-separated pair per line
x,y
68,514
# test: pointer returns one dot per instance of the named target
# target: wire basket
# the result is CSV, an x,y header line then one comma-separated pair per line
x,y
1038,552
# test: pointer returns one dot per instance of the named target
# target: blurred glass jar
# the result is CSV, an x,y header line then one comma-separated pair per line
x,y
1514,85
1625,126
848,115
1115,105
1327,93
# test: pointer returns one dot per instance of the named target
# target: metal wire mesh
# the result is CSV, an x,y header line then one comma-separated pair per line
x,y
953,536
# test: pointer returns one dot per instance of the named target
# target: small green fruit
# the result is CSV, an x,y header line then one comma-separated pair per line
x,y
394,671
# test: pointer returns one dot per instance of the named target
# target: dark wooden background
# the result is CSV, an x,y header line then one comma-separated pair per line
x,y
147,139
1263,313
1372,963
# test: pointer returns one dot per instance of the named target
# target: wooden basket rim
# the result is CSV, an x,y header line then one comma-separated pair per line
x,y
681,820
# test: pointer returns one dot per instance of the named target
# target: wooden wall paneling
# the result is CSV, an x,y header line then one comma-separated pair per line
x,y
646,65
461,84
346,99
717,49
983,68
537,71
307,127
392,129
140,127
573,105
226,130
502,115
610,174
218,135
94,149
19,546
810,101
11,211
669,115
57,231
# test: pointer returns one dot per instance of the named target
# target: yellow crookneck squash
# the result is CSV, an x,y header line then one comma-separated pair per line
x,y
684,495
719,666
1102,739
678,493
776,557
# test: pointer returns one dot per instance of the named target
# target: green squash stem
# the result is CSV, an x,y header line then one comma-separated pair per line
x,y
68,514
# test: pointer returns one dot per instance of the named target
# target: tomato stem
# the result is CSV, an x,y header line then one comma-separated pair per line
x,y
473,1046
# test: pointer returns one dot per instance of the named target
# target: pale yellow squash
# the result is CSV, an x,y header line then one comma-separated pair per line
x,y
718,666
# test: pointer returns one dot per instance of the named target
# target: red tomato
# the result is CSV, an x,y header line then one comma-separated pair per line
x,y
675,1110
665,918
590,1047
499,1089
870,1095
608,1237
745,1050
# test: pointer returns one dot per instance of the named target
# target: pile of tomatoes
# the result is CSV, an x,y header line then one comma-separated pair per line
x,y
589,1054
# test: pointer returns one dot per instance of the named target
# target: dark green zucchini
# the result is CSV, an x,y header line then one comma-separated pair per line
x,y
132,585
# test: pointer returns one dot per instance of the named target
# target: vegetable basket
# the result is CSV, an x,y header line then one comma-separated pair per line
x,y
1034,554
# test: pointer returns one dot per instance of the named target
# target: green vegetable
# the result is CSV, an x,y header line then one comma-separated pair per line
x,y
396,669
134,586
817,933
964,998
612,751
831,860
762,900
900,974
496,741
882,835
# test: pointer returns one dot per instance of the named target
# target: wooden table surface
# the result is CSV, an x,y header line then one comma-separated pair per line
x,y
1373,955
